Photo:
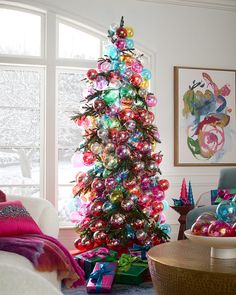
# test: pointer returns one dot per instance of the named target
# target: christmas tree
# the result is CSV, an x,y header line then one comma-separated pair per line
x,y
122,191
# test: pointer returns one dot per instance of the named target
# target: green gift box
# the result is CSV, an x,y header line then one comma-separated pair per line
x,y
131,270
87,260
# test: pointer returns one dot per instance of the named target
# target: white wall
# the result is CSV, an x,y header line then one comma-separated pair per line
x,y
178,35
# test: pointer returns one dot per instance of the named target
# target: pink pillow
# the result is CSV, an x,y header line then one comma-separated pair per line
x,y
15,220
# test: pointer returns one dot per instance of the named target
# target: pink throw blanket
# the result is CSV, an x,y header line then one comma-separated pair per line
x,y
46,254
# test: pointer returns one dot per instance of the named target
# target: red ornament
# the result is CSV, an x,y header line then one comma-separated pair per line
x,y
99,106
114,76
136,79
96,208
77,243
200,228
122,136
88,158
157,207
100,223
157,157
121,32
135,192
139,224
163,184
98,185
129,183
233,230
92,74
126,115
100,237
87,243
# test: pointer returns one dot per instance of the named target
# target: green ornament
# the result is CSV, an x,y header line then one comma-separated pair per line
x,y
128,90
106,173
113,123
111,96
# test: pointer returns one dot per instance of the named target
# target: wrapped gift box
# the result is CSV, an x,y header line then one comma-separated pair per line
x,y
131,270
139,251
102,277
87,260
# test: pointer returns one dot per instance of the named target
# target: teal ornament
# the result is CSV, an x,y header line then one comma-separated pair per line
x,y
226,211
129,43
166,228
165,204
146,74
111,51
111,96
108,207
121,67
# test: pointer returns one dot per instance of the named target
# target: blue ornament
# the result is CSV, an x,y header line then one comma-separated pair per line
x,y
226,211
108,207
146,74
165,228
123,175
129,232
129,43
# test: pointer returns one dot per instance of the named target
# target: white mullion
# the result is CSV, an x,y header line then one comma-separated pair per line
x,y
50,139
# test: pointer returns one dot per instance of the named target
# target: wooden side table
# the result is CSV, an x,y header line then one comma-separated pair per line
x,y
182,210
183,268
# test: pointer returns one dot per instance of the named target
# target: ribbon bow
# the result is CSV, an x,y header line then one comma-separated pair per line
x,y
143,250
126,261
97,275
101,252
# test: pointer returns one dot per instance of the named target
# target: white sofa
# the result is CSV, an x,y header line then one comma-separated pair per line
x,y
17,274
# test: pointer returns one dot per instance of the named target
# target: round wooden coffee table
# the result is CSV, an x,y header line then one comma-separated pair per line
x,y
184,268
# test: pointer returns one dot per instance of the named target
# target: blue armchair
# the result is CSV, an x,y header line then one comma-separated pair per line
x,y
227,179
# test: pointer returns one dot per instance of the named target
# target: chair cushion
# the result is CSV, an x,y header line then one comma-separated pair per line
x,y
16,220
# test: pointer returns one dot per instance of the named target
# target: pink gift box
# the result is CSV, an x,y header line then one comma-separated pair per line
x,y
102,277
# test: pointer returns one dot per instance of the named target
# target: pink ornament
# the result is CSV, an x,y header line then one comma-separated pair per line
x,y
151,100
104,66
101,83
77,160
136,66
219,228
120,43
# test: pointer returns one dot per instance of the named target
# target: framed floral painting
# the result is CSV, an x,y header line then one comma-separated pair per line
x,y
204,117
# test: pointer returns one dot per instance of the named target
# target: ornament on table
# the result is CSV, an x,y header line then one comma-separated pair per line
x,y
102,277
190,194
221,224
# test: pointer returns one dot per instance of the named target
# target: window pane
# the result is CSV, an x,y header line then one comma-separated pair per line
x,y
70,88
20,33
24,191
74,43
19,87
19,166
19,127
